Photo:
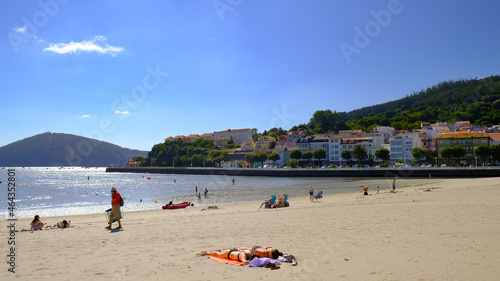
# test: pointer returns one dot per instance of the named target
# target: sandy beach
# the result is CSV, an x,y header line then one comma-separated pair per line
x,y
449,233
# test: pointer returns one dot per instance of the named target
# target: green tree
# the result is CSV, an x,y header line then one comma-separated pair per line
x,y
292,163
495,151
230,144
383,153
482,151
273,134
261,157
319,154
197,160
347,155
141,159
214,154
183,161
459,152
250,158
418,153
446,152
307,155
296,154
325,121
225,155
359,152
209,162
272,145
274,157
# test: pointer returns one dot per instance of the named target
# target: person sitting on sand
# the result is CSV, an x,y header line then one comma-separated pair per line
x,y
365,190
268,202
244,256
281,199
36,224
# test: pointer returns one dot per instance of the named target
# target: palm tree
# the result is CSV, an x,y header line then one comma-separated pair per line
x,y
360,153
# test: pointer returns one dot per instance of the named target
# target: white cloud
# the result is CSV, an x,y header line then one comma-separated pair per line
x,y
21,29
85,116
39,40
85,46
122,112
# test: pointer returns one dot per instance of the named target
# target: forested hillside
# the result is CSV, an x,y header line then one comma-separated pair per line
x,y
475,100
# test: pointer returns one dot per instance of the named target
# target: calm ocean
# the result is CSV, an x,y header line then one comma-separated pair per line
x,y
76,190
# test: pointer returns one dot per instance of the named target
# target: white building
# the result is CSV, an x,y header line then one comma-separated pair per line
x,y
339,144
402,144
334,149
388,132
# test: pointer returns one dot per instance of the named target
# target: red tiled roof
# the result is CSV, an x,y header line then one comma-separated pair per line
x,y
495,136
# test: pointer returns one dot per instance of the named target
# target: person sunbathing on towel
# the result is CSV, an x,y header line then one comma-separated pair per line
x,y
244,256
264,252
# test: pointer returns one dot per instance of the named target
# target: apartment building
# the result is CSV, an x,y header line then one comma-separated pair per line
x,y
467,140
402,144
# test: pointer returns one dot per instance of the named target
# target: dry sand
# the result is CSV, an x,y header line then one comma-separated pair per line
x,y
450,233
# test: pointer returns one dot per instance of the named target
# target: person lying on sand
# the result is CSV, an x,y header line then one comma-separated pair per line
x,y
264,252
244,256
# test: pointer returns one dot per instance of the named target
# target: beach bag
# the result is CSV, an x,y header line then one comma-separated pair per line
x,y
121,201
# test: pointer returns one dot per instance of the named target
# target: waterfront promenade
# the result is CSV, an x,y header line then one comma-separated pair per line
x,y
318,172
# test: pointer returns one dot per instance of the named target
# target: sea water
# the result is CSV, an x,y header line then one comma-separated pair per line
x,y
52,191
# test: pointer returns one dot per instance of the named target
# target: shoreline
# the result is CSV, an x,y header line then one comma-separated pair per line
x,y
450,233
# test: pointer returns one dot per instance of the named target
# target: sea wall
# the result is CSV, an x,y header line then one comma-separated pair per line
x,y
328,172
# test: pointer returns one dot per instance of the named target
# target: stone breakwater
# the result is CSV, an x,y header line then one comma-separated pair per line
x,y
328,172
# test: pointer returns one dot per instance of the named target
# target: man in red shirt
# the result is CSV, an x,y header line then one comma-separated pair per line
x,y
115,208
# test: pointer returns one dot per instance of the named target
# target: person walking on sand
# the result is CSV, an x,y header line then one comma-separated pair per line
x,y
378,188
311,193
115,208
393,185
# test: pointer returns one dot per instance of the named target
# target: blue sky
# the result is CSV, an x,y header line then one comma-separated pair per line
x,y
135,72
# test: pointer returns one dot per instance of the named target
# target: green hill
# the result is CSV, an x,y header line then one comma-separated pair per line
x,y
55,149
474,100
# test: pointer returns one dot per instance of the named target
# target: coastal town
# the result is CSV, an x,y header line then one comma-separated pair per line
x,y
428,146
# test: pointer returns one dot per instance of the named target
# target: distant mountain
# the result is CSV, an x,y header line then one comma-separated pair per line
x,y
55,149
